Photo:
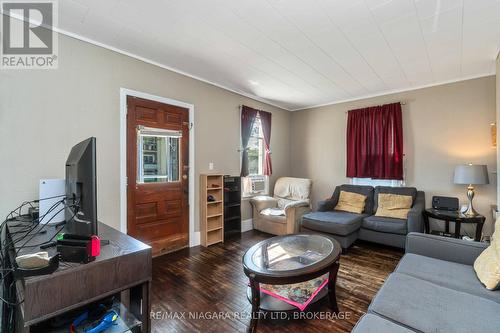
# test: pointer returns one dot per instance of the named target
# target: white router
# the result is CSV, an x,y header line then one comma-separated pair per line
x,y
54,189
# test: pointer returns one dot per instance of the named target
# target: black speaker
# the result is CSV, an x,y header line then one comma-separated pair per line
x,y
445,203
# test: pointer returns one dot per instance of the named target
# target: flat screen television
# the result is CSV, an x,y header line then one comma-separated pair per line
x,y
81,189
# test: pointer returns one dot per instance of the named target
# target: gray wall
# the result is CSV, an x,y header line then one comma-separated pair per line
x,y
443,126
44,113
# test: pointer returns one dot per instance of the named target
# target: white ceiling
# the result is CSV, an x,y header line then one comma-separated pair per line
x,y
300,53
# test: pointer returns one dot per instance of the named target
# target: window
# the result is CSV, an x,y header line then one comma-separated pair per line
x,y
255,182
375,142
157,155
256,149
377,182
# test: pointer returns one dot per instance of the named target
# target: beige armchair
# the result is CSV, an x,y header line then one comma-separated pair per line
x,y
280,215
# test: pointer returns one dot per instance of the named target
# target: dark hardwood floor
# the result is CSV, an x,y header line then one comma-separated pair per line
x,y
200,282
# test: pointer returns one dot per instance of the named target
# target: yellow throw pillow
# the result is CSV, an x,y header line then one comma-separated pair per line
x,y
394,205
351,202
487,264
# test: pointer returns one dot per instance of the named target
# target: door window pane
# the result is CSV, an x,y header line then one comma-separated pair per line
x,y
158,156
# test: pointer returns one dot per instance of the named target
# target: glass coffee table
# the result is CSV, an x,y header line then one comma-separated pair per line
x,y
286,260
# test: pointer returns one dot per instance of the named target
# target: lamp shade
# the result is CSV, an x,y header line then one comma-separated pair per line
x,y
471,174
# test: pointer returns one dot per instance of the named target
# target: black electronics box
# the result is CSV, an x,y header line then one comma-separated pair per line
x,y
445,203
71,253
73,248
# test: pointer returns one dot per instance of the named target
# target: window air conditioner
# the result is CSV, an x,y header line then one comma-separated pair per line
x,y
258,184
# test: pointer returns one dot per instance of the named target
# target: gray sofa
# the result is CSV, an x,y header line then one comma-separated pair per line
x,y
434,289
347,227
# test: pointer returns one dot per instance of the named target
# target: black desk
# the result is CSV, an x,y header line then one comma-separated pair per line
x,y
123,269
453,216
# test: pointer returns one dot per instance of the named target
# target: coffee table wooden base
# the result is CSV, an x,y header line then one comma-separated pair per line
x,y
308,256
264,302
332,283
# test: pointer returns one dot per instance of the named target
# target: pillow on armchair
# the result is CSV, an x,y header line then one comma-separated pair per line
x,y
273,212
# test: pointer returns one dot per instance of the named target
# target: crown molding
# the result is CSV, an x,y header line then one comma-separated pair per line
x,y
396,91
163,66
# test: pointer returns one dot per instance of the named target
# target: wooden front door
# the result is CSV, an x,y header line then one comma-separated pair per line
x,y
157,172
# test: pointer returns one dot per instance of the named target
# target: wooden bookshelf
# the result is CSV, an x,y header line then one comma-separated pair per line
x,y
211,212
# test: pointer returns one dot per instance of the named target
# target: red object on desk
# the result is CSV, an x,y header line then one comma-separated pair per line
x,y
95,247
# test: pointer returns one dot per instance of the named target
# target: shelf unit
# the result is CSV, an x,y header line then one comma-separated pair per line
x,y
211,212
232,206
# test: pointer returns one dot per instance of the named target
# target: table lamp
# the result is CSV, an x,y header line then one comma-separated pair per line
x,y
471,174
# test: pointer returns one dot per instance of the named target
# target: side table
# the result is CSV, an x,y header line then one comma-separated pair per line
x,y
453,216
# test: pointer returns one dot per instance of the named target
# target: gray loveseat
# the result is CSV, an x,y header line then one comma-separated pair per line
x,y
434,289
347,227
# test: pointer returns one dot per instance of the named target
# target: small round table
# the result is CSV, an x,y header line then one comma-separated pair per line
x,y
290,259
453,216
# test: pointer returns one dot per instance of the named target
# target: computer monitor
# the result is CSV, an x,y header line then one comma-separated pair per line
x,y
81,189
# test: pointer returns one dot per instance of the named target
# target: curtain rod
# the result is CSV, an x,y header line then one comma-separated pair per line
x,y
241,105
401,102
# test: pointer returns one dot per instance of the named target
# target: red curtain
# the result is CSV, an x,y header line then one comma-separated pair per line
x,y
265,120
248,116
375,142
